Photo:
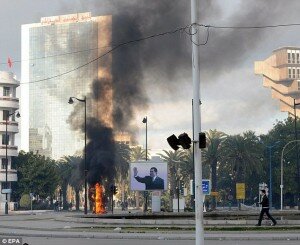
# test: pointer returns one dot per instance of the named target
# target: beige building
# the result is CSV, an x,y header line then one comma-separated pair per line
x,y
281,73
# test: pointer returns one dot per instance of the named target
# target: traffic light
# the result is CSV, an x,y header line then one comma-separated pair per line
x,y
173,142
183,140
202,140
115,190
181,187
111,187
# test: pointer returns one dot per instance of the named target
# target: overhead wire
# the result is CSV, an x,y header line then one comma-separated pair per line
x,y
111,50
188,29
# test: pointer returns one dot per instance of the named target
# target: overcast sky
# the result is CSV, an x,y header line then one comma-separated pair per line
x,y
233,98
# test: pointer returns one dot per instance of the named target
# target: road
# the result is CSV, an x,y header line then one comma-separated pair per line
x,y
66,229
72,241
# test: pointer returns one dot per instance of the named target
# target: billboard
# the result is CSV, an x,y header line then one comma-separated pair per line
x,y
148,175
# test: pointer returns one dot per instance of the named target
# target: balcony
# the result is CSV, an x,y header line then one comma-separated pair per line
x,y
12,126
11,150
11,175
9,102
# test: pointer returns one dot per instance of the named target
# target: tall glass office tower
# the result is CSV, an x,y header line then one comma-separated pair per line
x,y
56,64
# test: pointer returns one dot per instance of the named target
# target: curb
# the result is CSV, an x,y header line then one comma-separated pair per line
x,y
155,236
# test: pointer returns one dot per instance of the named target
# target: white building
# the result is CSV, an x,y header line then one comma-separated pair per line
x,y
9,104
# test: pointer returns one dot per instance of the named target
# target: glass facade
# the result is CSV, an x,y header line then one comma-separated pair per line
x,y
54,50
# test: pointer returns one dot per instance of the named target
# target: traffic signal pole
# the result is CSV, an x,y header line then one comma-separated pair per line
x,y
112,202
197,123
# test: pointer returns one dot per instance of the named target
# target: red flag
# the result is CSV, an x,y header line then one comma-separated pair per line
x,y
9,62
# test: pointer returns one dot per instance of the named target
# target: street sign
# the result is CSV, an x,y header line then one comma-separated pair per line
x,y
6,191
206,186
240,191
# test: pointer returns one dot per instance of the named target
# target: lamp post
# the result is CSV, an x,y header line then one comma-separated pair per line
x,y
71,101
145,120
297,155
6,159
281,173
270,173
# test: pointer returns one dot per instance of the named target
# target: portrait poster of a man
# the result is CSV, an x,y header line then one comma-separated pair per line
x,y
148,176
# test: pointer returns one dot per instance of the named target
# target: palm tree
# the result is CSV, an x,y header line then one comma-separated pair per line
x,y
64,171
77,176
211,156
243,153
173,158
137,153
187,166
122,159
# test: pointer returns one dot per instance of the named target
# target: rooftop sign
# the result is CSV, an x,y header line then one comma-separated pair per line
x,y
70,18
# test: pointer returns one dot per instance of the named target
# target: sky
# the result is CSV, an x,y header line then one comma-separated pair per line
x,y
233,98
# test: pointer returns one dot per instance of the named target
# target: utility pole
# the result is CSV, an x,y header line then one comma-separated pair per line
x,y
297,155
197,124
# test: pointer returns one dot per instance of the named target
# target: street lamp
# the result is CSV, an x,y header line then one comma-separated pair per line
x,y
146,122
297,156
281,173
270,169
6,159
71,101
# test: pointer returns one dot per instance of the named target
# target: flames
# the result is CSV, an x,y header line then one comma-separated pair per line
x,y
96,198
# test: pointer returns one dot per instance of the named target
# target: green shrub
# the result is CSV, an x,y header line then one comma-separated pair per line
x,y
25,201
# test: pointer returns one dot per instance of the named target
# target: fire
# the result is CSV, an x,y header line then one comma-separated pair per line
x,y
96,198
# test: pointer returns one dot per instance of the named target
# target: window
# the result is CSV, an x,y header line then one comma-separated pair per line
x,y
4,142
6,91
290,72
298,84
294,72
3,163
289,56
4,185
5,115
298,57
293,58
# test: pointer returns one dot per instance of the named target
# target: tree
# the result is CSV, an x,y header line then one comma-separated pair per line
x,y
211,156
284,132
122,158
243,153
174,159
73,169
137,153
36,174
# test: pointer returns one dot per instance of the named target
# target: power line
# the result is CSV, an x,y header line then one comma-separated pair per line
x,y
56,55
111,50
186,29
189,33
249,27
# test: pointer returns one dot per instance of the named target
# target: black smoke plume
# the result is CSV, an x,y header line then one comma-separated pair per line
x,y
160,61
100,152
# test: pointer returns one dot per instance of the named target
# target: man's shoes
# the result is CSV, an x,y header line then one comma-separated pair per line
x,y
274,224
257,225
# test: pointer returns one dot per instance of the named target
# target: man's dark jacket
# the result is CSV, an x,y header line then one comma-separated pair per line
x,y
157,184
265,202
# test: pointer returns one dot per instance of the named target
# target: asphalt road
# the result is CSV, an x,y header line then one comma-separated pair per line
x,y
72,241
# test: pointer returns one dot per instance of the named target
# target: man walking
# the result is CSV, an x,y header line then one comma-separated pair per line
x,y
265,209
